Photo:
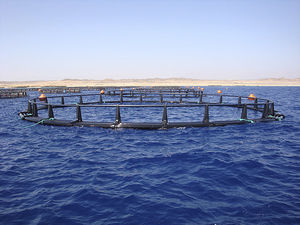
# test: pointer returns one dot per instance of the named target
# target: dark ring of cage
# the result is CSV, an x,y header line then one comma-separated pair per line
x,y
163,99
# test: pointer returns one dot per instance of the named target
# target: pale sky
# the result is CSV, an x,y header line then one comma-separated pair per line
x,y
99,39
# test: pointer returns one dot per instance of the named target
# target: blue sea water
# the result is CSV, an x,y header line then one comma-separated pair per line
x,y
243,174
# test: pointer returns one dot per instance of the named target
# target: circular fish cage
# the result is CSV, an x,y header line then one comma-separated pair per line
x,y
149,108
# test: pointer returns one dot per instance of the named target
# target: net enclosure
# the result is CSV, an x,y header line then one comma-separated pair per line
x,y
149,108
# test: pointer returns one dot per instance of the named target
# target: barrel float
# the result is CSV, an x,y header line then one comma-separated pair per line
x,y
251,97
42,97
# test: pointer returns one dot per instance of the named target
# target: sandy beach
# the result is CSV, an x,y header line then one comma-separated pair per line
x,y
150,82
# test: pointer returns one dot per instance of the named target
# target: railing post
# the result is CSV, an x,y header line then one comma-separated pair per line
x,y
100,98
271,109
165,116
50,112
78,114
141,97
221,99
118,115
62,100
180,98
80,99
244,112
29,108
240,100
255,103
35,111
121,97
201,98
266,111
161,98
206,115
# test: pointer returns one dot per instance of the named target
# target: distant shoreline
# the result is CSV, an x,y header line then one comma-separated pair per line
x,y
150,82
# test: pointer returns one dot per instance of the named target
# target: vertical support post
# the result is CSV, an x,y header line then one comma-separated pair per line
x,y
165,116
244,112
62,100
180,98
50,111
141,97
206,115
118,115
201,98
255,103
100,98
271,109
29,108
161,98
121,97
46,100
78,114
266,111
240,100
35,110
221,99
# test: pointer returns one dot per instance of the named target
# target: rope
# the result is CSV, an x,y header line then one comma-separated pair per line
x,y
249,121
40,122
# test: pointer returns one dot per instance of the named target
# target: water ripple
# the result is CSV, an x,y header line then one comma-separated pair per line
x,y
246,174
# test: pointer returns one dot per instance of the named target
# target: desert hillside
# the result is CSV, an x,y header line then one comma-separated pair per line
x,y
151,82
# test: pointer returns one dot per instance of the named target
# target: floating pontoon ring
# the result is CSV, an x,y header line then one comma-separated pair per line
x,y
142,98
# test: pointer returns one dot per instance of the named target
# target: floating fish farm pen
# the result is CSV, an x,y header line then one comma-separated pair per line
x,y
13,93
149,108
59,90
